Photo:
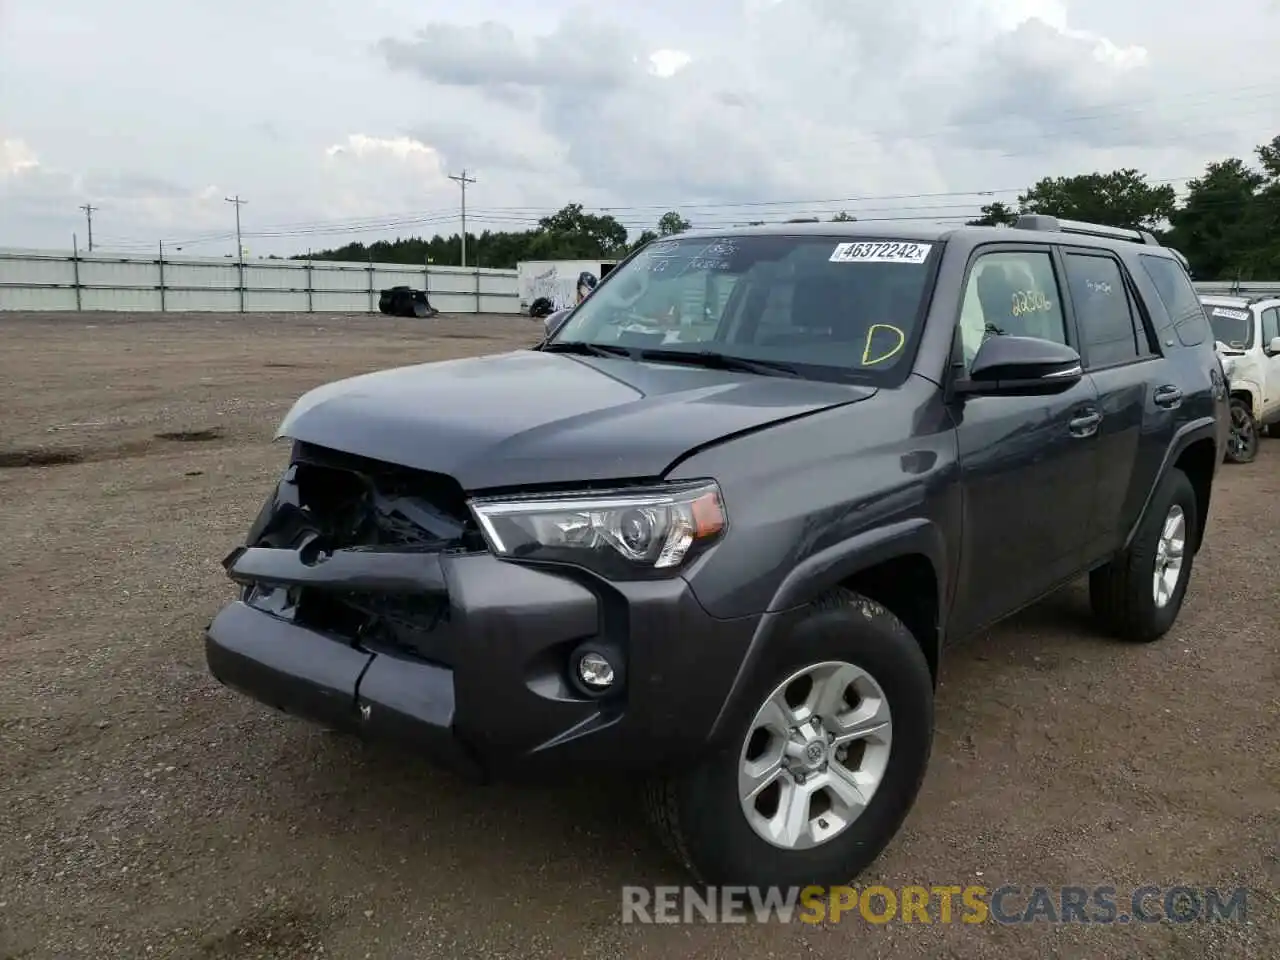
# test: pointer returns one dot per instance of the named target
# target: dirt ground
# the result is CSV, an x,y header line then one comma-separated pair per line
x,y
145,811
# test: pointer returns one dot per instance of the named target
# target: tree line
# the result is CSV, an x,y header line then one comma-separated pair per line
x,y
1227,224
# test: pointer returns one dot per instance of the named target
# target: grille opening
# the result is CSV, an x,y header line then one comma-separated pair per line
x,y
330,501
412,626
338,501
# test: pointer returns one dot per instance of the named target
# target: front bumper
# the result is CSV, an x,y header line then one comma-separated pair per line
x,y
490,695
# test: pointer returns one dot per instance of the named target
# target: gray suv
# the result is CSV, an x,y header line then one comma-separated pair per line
x,y
716,530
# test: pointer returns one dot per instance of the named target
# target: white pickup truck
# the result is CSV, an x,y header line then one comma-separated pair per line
x,y
1247,330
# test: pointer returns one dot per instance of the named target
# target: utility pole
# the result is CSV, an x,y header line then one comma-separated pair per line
x,y
239,246
238,202
88,212
463,181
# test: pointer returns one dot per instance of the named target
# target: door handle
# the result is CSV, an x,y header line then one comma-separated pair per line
x,y
1085,425
1168,396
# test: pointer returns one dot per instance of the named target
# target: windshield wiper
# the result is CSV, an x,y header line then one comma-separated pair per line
x,y
722,361
583,348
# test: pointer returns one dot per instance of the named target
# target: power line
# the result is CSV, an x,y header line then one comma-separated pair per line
x,y
88,213
734,211
463,180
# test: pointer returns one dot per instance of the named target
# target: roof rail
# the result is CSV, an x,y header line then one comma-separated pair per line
x,y
1244,289
1048,224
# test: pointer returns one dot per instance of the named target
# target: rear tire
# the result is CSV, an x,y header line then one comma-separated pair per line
x,y
1126,599
849,643
1242,445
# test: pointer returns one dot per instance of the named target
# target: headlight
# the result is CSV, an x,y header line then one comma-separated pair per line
x,y
621,534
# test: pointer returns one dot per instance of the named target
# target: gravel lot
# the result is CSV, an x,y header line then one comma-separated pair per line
x,y
145,811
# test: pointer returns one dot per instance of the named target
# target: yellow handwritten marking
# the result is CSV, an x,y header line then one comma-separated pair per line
x,y
1030,301
897,347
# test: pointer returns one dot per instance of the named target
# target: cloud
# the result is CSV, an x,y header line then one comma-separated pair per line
x,y
586,52
404,149
824,98
723,108
667,63
16,158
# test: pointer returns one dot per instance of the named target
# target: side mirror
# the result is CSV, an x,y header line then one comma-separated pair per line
x,y
1273,347
1024,366
554,321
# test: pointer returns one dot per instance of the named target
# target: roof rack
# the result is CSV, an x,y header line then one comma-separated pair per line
x,y
1251,291
1048,224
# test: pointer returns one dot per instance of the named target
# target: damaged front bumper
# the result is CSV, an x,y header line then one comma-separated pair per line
x,y
486,686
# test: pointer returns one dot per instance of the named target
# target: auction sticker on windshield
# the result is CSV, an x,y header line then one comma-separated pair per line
x,y
884,251
1231,314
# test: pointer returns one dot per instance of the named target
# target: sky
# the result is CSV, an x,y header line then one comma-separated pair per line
x,y
341,120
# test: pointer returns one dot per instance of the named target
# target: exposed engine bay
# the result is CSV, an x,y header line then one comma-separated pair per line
x,y
328,502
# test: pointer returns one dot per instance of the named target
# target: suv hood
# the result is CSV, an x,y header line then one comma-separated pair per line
x,y
529,417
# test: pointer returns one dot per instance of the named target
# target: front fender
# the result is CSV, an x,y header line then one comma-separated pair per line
x,y
828,569
1249,387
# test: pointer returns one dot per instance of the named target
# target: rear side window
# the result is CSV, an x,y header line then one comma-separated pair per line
x,y
1110,331
1179,298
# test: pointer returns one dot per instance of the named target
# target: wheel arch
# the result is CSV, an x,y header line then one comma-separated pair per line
x,y
1248,392
1195,452
901,566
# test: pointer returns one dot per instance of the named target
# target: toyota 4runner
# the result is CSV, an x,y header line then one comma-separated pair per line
x,y
717,528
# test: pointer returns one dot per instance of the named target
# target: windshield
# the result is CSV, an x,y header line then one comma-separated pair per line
x,y
1232,325
829,307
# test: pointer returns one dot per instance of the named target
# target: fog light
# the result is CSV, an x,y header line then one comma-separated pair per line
x,y
595,671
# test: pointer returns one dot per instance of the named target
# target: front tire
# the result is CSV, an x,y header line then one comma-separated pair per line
x,y
838,729
1242,445
1137,596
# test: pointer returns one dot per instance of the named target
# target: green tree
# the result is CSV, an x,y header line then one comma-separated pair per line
x,y
1264,261
1122,198
1217,228
571,234
646,236
671,223
995,214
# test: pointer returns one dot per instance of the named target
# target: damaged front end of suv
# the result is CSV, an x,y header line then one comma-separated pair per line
x,y
350,550
308,558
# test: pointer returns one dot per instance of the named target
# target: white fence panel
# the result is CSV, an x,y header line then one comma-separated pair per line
x,y
202,301
276,301
135,300
54,280
38,271
277,276
337,301
49,298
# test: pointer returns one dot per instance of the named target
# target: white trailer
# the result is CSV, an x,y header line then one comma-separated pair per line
x,y
557,280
